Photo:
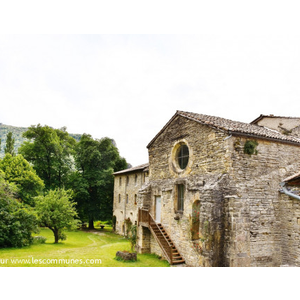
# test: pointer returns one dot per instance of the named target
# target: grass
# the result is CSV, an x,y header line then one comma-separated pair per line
x,y
81,249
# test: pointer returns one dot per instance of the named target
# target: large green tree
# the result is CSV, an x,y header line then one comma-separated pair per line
x,y
96,160
56,211
17,223
18,170
50,151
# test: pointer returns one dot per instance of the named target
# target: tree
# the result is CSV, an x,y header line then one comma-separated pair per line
x,y
50,151
17,223
96,160
56,211
10,144
18,170
133,237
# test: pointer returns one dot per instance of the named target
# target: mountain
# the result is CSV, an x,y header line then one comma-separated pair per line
x,y
17,135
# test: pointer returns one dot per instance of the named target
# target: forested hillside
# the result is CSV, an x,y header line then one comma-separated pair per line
x,y
17,135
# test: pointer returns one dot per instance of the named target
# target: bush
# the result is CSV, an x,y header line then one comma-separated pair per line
x,y
250,147
17,223
39,240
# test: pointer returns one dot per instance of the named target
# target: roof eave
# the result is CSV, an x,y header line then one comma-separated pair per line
x,y
143,168
254,122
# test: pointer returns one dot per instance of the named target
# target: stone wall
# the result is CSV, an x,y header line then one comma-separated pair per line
x,y
289,212
252,214
296,131
126,188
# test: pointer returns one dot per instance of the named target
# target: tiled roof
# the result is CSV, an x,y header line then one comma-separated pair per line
x,y
143,167
239,127
233,127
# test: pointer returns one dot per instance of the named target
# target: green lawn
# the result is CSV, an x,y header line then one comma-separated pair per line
x,y
81,249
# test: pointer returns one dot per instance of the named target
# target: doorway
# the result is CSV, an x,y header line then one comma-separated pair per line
x,y
158,209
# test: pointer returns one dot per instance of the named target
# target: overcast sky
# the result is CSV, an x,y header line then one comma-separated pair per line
x,y
234,59
127,87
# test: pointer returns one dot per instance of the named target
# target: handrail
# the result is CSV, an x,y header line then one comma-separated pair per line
x,y
146,218
160,230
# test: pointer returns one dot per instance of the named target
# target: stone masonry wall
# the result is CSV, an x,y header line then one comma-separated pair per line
x,y
253,216
289,211
126,188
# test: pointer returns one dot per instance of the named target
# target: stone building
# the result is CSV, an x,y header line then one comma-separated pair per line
x,y
285,125
213,197
126,186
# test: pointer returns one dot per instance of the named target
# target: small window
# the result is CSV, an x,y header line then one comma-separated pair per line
x,y
180,197
135,199
119,198
135,180
120,181
126,198
127,180
183,156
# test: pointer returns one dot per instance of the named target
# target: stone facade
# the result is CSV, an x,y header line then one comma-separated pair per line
x,y
284,125
232,213
126,187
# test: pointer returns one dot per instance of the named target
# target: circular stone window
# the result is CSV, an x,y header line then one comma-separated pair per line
x,y
182,156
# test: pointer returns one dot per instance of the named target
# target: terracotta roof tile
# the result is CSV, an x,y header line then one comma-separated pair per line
x,y
235,127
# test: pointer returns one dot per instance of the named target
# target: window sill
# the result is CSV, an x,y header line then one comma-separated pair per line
x,y
178,215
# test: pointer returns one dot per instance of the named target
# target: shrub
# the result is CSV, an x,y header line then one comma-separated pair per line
x,y
17,222
250,147
39,240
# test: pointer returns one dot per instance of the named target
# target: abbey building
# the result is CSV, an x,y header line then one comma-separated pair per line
x,y
216,192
